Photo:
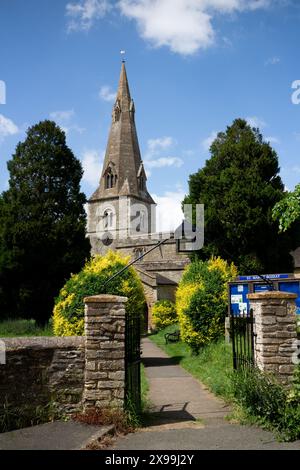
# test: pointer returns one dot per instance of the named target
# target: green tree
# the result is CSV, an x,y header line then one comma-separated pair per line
x,y
287,211
239,185
42,221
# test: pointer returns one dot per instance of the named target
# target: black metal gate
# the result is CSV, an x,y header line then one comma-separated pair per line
x,y
242,337
133,362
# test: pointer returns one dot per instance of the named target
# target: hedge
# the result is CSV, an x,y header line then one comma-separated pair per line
x,y
68,315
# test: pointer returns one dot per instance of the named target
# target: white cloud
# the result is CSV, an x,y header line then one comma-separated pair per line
x,y
107,94
188,153
255,121
168,212
206,143
92,161
181,25
82,14
160,143
272,140
2,92
73,127
273,61
7,127
163,162
62,115
155,158
185,26
63,119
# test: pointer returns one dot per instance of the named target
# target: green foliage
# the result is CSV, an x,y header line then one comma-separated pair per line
x,y
25,415
68,317
42,220
145,403
239,186
287,211
164,314
264,399
294,394
201,301
15,328
259,394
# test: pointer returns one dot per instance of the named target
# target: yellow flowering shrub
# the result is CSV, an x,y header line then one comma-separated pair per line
x,y
228,271
201,301
68,314
163,314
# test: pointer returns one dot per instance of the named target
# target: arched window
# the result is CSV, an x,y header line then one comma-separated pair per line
x,y
108,219
110,178
141,183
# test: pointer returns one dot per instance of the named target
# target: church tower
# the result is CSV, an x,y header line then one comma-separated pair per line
x,y
121,207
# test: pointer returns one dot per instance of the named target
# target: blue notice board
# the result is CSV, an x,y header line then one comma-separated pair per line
x,y
292,287
261,287
238,298
238,291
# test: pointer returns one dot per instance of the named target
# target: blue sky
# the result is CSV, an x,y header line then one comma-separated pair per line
x,y
193,67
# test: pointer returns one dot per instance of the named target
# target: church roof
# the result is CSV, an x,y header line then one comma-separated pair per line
x,y
122,160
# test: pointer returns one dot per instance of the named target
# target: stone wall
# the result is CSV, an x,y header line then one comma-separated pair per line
x,y
43,370
164,253
160,271
167,292
72,373
104,351
275,332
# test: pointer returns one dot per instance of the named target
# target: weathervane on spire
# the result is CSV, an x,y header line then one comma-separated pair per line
x,y
122,52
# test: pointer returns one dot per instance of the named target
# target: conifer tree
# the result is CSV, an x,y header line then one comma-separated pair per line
x,y
42,220
239,186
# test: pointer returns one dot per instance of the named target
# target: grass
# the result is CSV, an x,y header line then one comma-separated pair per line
x,y
17,328
213,365
144,389
26,415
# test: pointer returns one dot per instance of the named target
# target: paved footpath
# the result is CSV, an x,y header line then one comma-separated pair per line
x,y
185,415
59,435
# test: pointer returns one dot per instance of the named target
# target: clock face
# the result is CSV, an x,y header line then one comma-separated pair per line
x,y
107,239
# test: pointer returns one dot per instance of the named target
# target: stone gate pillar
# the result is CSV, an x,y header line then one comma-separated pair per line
x,y
104,382
275,328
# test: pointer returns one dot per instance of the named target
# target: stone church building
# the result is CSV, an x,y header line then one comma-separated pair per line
x,y
121,212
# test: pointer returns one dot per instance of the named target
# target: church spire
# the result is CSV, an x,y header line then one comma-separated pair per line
x,y
123,173
123,90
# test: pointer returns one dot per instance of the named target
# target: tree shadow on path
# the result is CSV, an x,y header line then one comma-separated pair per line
x,y
161,361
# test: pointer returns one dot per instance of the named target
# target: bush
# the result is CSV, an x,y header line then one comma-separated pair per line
x,y
263,398
26,415
201,301
259,394
164,314
68,315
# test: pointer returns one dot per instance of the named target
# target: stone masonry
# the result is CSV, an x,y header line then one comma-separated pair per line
x,y
39,371
104,383
276,333
122,213
74,373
